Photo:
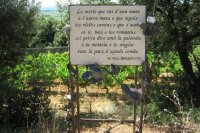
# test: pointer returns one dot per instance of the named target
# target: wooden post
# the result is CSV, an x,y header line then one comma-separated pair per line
x,y
78,96
134,111
143,95
73,128
141,116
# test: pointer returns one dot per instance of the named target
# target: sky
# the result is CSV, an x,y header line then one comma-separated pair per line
x,y
47,3
52,3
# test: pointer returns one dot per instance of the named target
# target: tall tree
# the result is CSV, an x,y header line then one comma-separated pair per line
x,y
16,23
180,32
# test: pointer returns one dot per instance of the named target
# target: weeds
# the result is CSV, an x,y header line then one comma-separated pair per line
x,y
185,119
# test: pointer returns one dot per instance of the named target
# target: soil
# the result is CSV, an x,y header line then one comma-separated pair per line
x,y
94,102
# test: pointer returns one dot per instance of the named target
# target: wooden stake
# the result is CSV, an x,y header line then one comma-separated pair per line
x,y
141,116
143,95
135,105
78,96
73,128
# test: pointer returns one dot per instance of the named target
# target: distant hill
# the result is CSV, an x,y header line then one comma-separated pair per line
x,y
48,8
49,11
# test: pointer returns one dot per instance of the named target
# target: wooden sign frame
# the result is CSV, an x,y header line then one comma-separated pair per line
x,y
74,36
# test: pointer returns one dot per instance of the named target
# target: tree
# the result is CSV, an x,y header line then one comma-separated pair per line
x,y
45,30
179,32
17,18
61,38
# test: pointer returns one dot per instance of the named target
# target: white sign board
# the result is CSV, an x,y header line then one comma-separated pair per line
x,y
107,35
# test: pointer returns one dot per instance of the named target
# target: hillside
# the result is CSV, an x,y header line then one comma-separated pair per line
x,y
50,11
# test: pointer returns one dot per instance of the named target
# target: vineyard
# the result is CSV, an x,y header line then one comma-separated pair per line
x,y
39,90
43,87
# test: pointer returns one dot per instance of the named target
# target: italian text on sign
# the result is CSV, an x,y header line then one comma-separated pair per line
x,y
107,35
